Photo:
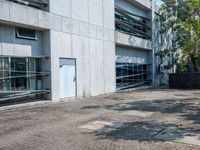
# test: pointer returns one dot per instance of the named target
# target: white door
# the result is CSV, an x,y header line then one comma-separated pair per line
x,y
67,80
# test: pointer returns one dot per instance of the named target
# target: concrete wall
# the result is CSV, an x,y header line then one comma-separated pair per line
x,y
128,6
132,55
160,42
128,40
95,63
80,29
88,36
99,13
10,45
145,4
131,49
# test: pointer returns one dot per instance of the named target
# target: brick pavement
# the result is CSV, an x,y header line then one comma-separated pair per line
x,y
57,126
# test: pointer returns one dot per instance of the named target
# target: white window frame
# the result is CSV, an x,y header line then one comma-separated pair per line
x,y
25,37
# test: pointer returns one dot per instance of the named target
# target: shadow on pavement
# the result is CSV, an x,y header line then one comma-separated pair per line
x,y
139,131
147,131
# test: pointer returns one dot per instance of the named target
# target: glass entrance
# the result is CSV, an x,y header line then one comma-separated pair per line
x,y
129,75
21,74
18,74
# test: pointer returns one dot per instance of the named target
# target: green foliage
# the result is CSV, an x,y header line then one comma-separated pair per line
x,y
182,21
181,67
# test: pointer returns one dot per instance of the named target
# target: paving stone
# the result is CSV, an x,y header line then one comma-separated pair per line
x,y
162,105
137,113
101,126
181,136
119,121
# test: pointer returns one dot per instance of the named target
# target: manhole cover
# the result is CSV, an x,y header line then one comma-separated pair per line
x,y
101,126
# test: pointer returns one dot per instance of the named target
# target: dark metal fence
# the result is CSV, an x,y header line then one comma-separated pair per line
x,y
184,81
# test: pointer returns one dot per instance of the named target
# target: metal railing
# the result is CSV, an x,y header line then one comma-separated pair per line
x,y
129,75
40,4
132,24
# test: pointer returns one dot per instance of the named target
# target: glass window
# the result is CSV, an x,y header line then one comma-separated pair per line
x,y
6,85
6,67
1,67
1,85
32,74
31,67
130,75
18,74
32,83
4,74
26,33
1,74
132,24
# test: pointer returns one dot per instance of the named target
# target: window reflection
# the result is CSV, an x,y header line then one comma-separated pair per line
x,y
132,24
130,75
20,74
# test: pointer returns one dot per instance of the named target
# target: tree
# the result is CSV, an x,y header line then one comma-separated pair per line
x,y
191,24
181,19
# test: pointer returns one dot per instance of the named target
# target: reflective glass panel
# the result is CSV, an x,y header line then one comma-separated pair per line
x,y
130,75
18,73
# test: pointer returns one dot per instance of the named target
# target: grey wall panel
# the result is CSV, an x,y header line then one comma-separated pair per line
x,y
96,67
108,14
61,7
4,7
109,67
28,47
96,12
131,8
20,13
79,29
81,52
131,55
80,10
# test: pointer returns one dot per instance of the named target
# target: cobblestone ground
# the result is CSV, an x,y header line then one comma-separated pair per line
x,y
57,126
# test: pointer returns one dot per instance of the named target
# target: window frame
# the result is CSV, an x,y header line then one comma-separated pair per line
x,y
25,37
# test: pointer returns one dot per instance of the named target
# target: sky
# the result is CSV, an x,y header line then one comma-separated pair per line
x,y
159,2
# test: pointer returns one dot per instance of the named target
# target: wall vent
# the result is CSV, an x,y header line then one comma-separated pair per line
x,y
26,34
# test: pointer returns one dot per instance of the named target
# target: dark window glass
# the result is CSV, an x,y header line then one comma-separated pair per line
x,y
18,74
1,85
26,34
6,67
131,24
40,4
130,75
1,68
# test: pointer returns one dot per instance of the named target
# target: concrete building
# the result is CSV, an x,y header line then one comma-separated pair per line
x,y
75,48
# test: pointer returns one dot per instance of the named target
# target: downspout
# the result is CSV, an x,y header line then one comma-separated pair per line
x,y
153,42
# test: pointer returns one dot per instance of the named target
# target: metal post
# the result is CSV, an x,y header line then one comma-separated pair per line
x,y
9,68
27,73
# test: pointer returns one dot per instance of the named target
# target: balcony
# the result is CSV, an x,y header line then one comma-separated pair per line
x,y
18,14
132,41
39,4
132,24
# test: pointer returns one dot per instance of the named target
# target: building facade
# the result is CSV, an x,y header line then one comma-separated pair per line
x,y
75,48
